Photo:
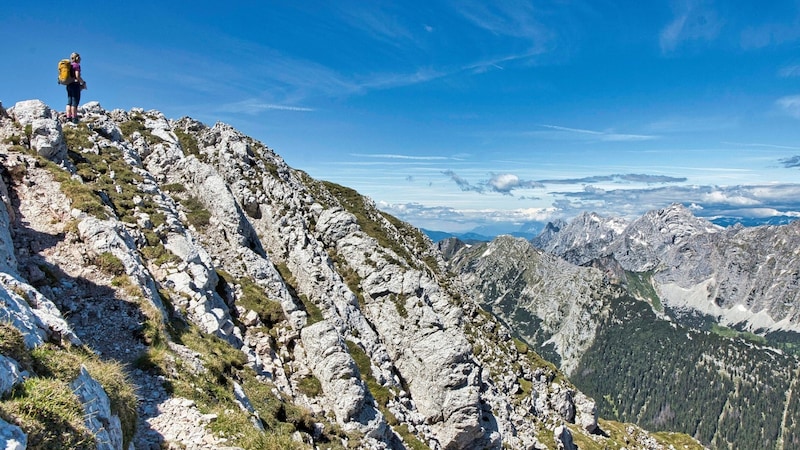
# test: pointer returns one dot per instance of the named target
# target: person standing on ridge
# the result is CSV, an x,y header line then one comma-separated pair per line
x,y
74,88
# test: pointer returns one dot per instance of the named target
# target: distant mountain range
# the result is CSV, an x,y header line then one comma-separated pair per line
x,y
472,237
752,221
533,229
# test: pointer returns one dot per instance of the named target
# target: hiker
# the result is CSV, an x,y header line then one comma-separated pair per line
x,y
74,88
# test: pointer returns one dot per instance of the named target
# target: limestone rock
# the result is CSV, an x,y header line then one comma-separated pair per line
x,y
563,438
46,136
12,437
746,276
99,419
9,374
34,315
341,270
8,260
331,363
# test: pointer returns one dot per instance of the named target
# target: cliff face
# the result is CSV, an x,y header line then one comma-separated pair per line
x,y
738,276
252,305
552,303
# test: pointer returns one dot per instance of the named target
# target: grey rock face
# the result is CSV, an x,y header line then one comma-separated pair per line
x,y
739,275
46,135
586,237
104,425
553,302
8,261
9,374
12,437
328,357
33,314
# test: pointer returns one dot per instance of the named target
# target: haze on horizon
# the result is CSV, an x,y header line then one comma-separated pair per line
x,y
461,115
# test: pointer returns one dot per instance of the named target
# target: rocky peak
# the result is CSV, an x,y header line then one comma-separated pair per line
x,y
586,237
739,276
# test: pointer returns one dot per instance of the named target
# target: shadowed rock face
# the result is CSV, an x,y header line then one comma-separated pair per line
x,y
366,307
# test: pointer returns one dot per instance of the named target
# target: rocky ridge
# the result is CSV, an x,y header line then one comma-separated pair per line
x,y
745,277
188,253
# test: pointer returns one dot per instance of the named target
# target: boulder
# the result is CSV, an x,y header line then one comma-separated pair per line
x,y
47,137
12,437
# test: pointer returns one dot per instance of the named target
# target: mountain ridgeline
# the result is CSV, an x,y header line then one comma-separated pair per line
x,y
669,321
166,284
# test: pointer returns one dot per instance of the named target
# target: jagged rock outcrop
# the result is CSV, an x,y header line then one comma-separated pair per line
x,y
184,232
584,238
41,123
104,424
738,275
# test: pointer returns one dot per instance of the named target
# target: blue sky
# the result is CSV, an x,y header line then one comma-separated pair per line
x,y
460,115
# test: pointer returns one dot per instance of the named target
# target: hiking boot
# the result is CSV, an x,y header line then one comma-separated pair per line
x,y
75,120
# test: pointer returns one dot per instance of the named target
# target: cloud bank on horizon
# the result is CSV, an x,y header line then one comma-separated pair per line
x,y
462,115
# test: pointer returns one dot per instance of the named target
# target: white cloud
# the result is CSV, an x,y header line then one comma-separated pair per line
x,y
693,21
790,105
790,71
517,19
253,106
608,136
462,220
705,201
397,156
720,197
504,182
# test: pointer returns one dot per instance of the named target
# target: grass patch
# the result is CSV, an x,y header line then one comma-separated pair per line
x,y
730,333
618,438
174,188
137,124
399,305
49,413
45,406
522,347
310,386
197,214
314,313
640,285
12,345
77,138
188,143
154,250
109,263
381,394
269,311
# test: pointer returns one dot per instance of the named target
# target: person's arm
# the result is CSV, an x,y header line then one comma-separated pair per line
x,y
80,79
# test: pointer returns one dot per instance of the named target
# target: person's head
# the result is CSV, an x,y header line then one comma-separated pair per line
x,y
75,57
